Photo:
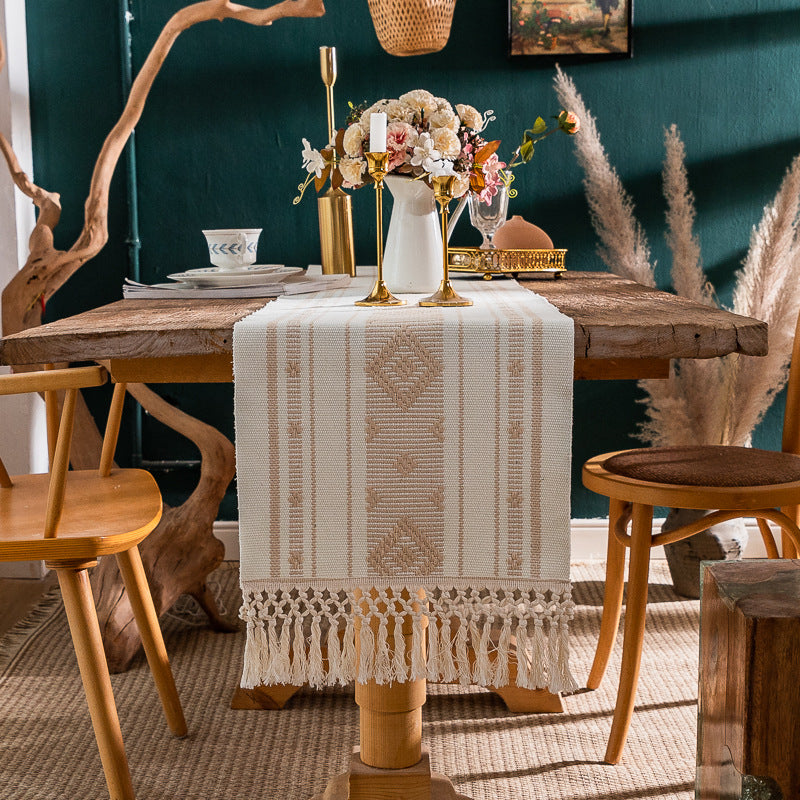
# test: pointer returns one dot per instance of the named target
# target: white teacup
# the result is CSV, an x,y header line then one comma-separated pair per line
x,y
232,248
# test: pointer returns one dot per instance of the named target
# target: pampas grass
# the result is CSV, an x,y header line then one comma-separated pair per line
x,y
623,243
767,287
712,401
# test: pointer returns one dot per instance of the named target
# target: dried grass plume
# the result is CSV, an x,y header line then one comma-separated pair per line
x,y
712,401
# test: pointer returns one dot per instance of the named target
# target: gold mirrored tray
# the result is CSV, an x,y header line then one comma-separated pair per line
x,y
506,262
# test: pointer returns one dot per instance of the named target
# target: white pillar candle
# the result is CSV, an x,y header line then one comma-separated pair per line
x,y
377,132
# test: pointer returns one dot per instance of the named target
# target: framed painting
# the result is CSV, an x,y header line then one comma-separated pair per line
x,y
566,30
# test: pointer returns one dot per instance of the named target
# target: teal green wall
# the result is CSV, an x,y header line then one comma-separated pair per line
x,y
219,143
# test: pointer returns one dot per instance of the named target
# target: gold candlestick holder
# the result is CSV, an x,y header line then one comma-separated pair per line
x,y
445,295
380,295
335,206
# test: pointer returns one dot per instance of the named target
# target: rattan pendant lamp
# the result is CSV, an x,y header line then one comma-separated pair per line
x,y
412,27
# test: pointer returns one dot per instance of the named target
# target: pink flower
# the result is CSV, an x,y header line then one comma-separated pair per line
x,y
400,140
491,176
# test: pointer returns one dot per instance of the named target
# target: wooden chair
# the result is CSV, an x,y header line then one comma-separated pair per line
x,y
69,519
736,481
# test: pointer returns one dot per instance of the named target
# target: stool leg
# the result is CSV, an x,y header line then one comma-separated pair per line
x,y
130,566
612,596
635,607
85,630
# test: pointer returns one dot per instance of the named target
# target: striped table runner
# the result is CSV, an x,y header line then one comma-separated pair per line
x,y
407,448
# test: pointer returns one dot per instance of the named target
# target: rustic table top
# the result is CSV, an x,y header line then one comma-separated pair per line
x,y
614,319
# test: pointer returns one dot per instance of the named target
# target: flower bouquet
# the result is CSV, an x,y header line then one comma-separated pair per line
x,y
426,137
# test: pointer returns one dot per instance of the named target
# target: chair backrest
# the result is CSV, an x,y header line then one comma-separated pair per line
x,y
51,382
791,415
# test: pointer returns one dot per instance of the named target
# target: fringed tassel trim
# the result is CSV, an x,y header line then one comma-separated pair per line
x,y
324,637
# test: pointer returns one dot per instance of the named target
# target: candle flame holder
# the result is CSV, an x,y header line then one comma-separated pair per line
x,y
377,164
445,295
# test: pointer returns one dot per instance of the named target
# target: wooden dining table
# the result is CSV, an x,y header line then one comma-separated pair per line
x,y
622,331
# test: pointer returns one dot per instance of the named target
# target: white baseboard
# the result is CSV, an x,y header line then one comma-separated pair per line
x,y
33,570
588,539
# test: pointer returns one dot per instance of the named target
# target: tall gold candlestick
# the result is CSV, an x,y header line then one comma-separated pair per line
x,y
380,295
445,295
327,66
335,206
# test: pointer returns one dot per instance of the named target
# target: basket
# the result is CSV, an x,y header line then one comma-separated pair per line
x,y
505,262
412,27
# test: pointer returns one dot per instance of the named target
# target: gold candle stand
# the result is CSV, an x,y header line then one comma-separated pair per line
x,y
380,295
445,295
335,207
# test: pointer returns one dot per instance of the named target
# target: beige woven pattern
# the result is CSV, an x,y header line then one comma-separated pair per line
x,y
404,449
412,27
48,750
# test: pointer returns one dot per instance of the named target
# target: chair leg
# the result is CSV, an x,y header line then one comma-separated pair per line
x,y
132,571
788,548
768,538
85,630
612,596
635,607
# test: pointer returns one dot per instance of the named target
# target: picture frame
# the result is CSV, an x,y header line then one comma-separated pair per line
x,y
570,30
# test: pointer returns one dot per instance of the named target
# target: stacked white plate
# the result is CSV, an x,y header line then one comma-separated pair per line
x,y
250,275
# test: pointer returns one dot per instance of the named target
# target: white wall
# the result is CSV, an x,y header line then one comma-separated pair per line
x,y
22,418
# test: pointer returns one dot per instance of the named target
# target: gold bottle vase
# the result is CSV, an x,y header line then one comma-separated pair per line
x,y
336,233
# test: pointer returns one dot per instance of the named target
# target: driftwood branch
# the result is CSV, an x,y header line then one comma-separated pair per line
x,y
182,551
47,269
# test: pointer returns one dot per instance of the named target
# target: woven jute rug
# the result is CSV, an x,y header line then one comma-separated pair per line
x,y
48,752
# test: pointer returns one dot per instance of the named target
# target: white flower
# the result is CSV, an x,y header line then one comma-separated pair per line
x,y
312,159
425,153
353,140
447,143
352,170
441,168
443,104
420,100
461,185
445,118
398,112
470,116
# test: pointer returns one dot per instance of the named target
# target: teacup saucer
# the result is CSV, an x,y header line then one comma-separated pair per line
x,y
251,275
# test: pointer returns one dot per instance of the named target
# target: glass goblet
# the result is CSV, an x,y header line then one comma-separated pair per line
x,y
488,217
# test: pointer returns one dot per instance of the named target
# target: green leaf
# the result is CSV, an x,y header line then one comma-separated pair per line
x,y
540,126
526,151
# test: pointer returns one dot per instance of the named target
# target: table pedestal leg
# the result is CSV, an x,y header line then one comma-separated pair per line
x,y
391,763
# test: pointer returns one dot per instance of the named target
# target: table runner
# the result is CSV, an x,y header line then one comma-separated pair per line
x,y
423,452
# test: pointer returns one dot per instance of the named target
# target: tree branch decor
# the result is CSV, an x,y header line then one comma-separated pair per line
x,y
184,536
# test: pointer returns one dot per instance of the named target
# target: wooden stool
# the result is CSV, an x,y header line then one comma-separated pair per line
x,y
749,704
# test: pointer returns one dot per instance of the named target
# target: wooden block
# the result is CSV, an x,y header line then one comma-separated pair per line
x,y
517,699
372,783
263,698
369,783
749,693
